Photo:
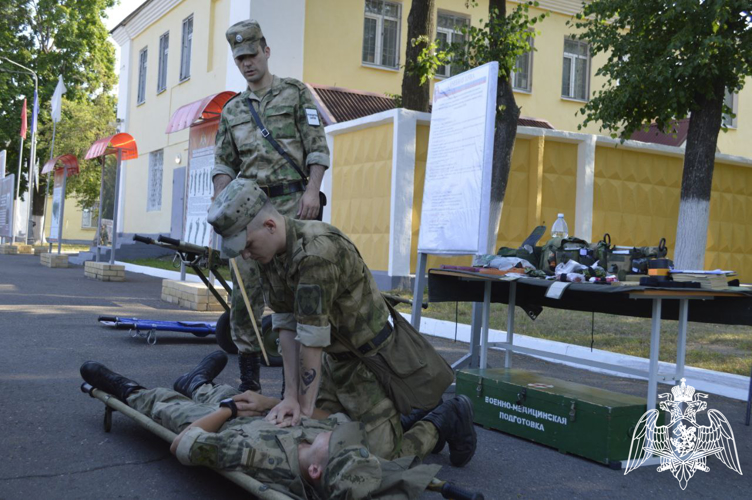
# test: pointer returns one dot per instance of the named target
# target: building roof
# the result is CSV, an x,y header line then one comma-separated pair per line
x,y
337,104
653,135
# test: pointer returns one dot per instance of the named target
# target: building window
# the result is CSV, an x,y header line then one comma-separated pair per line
x,y
185,54
164,45
141,76
154,194
522,74
730,99
86,218
575,78
381,33
449,31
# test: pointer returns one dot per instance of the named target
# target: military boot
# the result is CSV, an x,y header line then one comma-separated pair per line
x,y
416,416
104,379
209,367
454,421
250,372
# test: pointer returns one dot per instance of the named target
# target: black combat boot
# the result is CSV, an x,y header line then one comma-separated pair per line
x,y
104,379
209,367
416,416
454,421
250,372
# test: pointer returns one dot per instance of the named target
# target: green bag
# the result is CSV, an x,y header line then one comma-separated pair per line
x,y
521,253
562,250
634,260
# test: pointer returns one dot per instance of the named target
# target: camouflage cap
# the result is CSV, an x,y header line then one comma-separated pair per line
x,y
231,212
353,471
243,38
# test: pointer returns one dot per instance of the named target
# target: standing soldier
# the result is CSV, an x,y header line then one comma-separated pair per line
x,y
287,113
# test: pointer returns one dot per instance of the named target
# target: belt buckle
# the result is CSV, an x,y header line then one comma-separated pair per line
x,y
264,133
266,190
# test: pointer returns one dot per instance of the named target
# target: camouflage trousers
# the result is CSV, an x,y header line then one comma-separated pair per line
x,y
241,326
350,387
174,411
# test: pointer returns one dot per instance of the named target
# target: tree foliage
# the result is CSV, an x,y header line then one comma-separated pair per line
x,y
52,37
664,58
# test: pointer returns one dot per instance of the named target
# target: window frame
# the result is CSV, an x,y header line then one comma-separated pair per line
x,y
450,37
529,89
143,58
378,46
573,68
157,207
734,109
164,49
186,49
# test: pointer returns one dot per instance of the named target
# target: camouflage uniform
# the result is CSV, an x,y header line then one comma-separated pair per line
x,y
270,454
241,151
321,285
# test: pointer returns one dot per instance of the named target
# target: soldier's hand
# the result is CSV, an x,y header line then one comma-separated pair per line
x,y
309,205
253,401
285,414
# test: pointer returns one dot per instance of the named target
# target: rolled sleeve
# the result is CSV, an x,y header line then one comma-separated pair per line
x,y
318,159
186,443
314,336
284,321
220,169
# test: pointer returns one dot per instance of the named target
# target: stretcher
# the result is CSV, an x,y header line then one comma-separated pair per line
x,y
248,483
148,328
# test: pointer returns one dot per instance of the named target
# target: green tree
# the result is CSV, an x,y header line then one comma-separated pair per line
x,y
666,60
80,125
52,37
503,38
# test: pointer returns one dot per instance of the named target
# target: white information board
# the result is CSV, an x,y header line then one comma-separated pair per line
x,y
2,163
57,201
7,184
457,192
200,189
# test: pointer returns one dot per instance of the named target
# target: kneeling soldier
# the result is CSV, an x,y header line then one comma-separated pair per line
x,y
324,298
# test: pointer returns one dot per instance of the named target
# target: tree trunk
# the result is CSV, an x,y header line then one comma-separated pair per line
x,y
505,132
697,181
419,22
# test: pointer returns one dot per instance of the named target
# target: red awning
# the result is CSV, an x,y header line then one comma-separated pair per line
x,y
69,161
205,109
110,145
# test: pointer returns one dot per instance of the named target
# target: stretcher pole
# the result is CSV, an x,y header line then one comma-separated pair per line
x,y
245,481
241,285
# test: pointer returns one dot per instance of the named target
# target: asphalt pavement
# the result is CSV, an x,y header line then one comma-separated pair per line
x,y
53,445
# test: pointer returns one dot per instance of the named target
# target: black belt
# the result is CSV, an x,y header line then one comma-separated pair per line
x,y
367,347
283,189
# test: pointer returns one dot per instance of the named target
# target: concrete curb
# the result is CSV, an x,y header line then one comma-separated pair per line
x,y
722,384
163,273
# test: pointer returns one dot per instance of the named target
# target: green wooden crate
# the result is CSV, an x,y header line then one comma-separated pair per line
x,y
573,418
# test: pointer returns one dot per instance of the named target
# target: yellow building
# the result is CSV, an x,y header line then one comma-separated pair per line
x,y
173,52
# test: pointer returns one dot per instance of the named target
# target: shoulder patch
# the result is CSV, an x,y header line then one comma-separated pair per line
x,y
308,300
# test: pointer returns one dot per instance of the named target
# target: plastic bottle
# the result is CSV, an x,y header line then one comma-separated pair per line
x,y
560,229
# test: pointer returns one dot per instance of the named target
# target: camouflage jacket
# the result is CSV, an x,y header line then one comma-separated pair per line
x,y
321,284
252,445
289,113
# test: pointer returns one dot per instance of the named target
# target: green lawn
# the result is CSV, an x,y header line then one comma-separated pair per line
x,y
714,347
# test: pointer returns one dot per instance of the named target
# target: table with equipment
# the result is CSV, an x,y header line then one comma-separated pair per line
x,y
732,306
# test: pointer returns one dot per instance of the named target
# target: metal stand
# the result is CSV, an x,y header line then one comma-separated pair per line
x,y
99,215
113,236
472,358
420,285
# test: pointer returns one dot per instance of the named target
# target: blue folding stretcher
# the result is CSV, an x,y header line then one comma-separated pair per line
x,y
148,328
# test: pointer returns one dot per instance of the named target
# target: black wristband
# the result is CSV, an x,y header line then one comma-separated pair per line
x,y
230,403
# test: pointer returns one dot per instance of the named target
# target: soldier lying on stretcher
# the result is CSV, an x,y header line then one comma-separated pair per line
x,y
219,428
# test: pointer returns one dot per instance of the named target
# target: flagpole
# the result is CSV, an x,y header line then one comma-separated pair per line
x,y
18,190
35,125
52,153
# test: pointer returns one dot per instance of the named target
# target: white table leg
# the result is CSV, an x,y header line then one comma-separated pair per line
x,y
484,329
510,323
681,347
655,345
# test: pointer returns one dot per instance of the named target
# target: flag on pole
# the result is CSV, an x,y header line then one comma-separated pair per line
x,y
36,175
23,120
57,99
34,114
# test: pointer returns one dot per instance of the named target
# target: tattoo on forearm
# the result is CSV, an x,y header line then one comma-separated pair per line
x,y
307,377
